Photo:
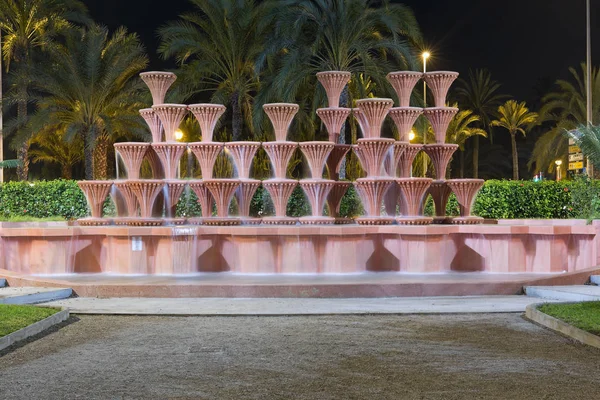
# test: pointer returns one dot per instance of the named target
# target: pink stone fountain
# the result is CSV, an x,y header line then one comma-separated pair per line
x,y
158,83
412,193
334,119
280,151
316,154
440,155
204,198
316,189
207,151
174,189
95,194
170,116
439,82
371,192
334,83
244,195
222,191
132,154
145,192
405,118
403,83
440,193
169,155
466,191
154,124
242,154
440,118
207,115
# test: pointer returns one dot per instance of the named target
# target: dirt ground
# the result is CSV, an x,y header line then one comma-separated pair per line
x,y
475,356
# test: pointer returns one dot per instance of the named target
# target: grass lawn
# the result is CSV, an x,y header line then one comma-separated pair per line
x,y
585,315
13,318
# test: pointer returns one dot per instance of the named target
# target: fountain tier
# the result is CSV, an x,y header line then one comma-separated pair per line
x,y
405,118
374,110
95,194
205,199
132,154
281,116
170,116
334,83
207,116
222,191
334,161
412,196
406,159
440,155
362,121
131,203
440,118
333,118
280,154
244,195
439,82
371,192
173,191
440,193
371,153
154,124
334,201
158,83
316,154
242,154
317,191
169,155
466,191
206,153
280,191
145,192
403,83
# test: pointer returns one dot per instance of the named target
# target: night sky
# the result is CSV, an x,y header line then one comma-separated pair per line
x,y
523,42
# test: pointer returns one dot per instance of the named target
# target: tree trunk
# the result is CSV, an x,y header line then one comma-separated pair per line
x,y
344,100
476,157
236,117
22,152
462,164
515,156
88,143
66,172
101,158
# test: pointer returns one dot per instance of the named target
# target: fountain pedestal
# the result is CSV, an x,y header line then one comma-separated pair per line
x,y
334,201
222,191
440,193
244,195
439,82
242,154
403,83
205,200
371,192
173,191
169,155
412,194
132,154
317,191
280,191
440,155
95,193
145,192
206,153
465,191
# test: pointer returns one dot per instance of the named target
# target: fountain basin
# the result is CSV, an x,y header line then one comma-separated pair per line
x,y
334,83
403,83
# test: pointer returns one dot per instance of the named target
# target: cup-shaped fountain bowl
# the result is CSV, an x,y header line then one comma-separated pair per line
x,y
371,153
412,196
281,116
334,161
159,83
405,118
334,83
95,193
170,116
316,154
371,192
244,194
242,154
360,117
466,190
280,154
129,208
206,153
406,160
280,191
173,190
403,83
333,118
440,193
169,155
316,191
439,82
205,200
440,155
145,191
222,191
393,159
334,201
154,124
440,118
375,110
207,115
132,154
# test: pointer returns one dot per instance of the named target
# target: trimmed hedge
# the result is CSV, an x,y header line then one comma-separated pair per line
x,y
579,198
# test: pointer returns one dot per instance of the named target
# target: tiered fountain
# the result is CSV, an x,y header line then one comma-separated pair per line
x,y
280,152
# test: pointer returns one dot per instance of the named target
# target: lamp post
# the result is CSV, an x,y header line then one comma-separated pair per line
x,y
558,170
588,84
425,56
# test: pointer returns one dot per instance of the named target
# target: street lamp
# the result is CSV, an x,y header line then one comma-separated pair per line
x,y
178,135
558,170
411,135
425,56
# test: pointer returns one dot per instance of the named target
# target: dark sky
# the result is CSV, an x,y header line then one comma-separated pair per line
x,y
521,41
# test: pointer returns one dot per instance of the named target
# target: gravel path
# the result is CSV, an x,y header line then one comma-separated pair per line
x,y
479,356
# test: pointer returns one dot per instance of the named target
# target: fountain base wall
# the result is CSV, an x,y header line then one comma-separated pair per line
x,y
544,247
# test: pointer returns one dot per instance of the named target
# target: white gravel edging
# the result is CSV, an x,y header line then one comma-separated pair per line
x,y
33,329
535,315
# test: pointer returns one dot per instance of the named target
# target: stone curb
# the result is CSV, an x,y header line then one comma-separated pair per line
x,y
535,315
33,329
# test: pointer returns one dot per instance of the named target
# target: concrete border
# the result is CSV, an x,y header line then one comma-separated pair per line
x,y
532,313
33,329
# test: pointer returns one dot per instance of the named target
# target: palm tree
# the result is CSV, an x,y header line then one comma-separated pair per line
x,y
587,137
479,93
345,35
216,47
92,90
51,146
464,126
28,26
513,117
564,110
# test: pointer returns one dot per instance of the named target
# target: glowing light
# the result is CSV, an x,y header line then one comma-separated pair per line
x,y
558,163
178,134
411,135
426,55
